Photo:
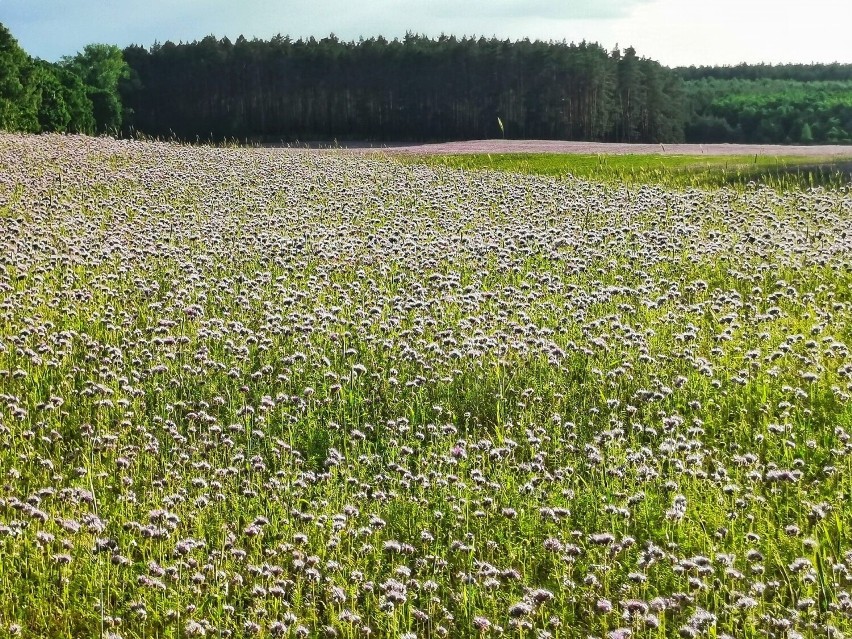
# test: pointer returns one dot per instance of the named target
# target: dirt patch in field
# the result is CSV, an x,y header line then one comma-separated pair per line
x,y
593,148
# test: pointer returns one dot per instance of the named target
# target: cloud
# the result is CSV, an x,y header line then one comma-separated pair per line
x,y
678,32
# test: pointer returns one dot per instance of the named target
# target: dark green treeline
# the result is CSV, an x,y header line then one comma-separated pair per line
x,y
425,89
411,89
418,89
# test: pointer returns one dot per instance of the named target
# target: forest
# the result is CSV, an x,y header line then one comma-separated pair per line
x,y
414,88
768,110
419,89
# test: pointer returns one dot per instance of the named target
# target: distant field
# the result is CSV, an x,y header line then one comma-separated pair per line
x,y
610,148
674,165
668,170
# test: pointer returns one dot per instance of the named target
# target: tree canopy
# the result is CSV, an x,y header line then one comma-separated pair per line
x,y
101,67
769,111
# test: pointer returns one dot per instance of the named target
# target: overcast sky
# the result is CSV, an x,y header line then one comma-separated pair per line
x,y
675,32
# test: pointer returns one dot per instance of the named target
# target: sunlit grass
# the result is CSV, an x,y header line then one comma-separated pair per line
x,y
676,171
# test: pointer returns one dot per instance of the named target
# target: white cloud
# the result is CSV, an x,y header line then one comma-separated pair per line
x,y
733,31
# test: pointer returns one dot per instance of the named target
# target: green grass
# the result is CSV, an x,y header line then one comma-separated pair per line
x,y
678,171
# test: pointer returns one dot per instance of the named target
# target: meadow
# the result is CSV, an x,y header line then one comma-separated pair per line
x,y
256,393
675,171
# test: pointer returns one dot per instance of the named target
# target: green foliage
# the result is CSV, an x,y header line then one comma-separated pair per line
x,y
77,101
796,72
102,67
769,111
53,113
13,63
36,96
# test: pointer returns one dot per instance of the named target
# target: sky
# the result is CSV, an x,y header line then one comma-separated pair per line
x,y
675,32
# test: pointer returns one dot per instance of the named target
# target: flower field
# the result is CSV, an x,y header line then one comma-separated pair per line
x,y
254,393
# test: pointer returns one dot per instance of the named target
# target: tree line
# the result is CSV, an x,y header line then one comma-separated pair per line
x,y
416,88
78,94
797,72
769,110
